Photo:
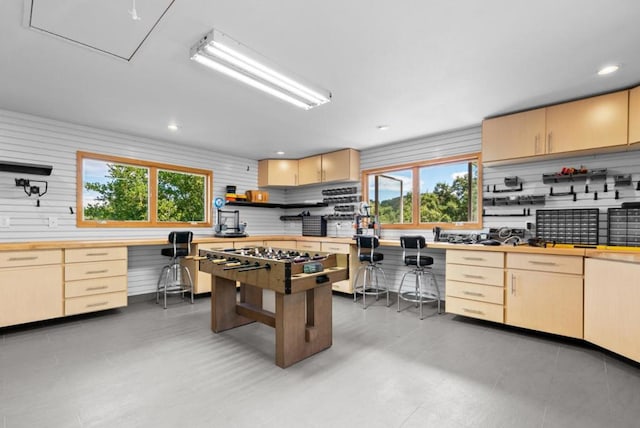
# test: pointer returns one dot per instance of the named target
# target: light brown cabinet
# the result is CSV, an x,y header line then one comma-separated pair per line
x,y
545,293
475,284
591,123
341,165
634,115
594,123
611,316
95,279
310,170
518,135
30,286
278,172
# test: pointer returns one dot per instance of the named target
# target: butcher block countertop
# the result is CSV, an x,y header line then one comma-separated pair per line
x,y
629,254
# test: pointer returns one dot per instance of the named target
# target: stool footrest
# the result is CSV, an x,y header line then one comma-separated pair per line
x,y
410,296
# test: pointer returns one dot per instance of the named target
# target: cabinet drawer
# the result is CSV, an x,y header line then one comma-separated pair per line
x,y
477,258
216,246
98,302
30,258
474,309
475,274
546,263
88,287
281,244
331,247
89,270
94,254
247,244
308,245
482,293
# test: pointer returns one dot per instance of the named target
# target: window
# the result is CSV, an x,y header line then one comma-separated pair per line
x,y
119,192
442,191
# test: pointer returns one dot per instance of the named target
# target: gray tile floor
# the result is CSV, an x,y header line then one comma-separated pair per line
x,y
143,366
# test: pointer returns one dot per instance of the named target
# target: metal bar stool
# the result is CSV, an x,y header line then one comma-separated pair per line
x,y
175,278
421,266
371,271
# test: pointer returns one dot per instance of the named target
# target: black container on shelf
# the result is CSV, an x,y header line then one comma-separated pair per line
x,y
568,226
314,225
623,227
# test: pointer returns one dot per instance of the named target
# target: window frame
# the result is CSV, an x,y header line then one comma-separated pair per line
x,y
415,168
153,168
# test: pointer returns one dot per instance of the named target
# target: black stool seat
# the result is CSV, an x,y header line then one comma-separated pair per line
x,y
179,252
413,261
371,258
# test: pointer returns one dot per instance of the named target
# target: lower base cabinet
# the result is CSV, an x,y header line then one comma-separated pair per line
x,y
30,294
611,297
546,302
545,293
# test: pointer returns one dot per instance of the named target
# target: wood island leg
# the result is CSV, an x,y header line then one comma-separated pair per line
x,y
223,305
303,324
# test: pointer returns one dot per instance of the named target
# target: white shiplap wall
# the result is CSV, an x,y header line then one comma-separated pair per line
x,y
31,139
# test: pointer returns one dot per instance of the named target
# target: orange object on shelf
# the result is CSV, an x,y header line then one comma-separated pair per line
x,y
257,196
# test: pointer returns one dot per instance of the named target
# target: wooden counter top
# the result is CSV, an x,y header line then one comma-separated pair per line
x,y
602,251
103,243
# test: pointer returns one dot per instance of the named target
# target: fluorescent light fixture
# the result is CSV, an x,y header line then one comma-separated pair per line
x,y
383,127
172,127
608,69
220,52
280,152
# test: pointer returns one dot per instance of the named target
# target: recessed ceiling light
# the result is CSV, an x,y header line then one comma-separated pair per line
x,y
383,127
172,127
280,152
608,69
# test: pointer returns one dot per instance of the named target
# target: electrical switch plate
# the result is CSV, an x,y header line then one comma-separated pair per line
x,y
5,221
53,221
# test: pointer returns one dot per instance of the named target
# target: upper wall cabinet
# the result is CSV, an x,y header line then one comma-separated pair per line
x,y
514,136
592,123
310,170
341,165
634,116
588,124
278,172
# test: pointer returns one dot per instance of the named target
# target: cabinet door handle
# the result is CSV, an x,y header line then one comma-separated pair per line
x,y
478,259
295,178
97,254
513,284
19,259
473,311
94,272
472,276
472,293
536,142
549,142
536,262
93,305
102,287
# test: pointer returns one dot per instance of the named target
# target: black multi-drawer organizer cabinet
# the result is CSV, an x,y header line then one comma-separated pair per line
x,y
568,226
623,227
314,225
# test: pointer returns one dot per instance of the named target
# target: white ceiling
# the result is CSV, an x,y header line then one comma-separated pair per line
x,y
421,67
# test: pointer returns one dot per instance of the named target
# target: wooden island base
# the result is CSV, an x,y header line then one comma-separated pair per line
x,y
303,320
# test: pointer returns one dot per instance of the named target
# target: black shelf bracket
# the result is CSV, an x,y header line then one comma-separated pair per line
x,y
525,213
569,193
496,190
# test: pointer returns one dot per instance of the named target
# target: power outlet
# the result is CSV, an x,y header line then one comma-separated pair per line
x,y
53,221
5,221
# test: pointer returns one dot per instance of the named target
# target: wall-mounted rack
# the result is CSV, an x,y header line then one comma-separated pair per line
x,y
595,174
514,184
515,200
340,191
525,213
273,205
341,199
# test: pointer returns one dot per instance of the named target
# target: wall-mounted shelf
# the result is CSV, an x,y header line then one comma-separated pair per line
x,y
272,205
595,174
